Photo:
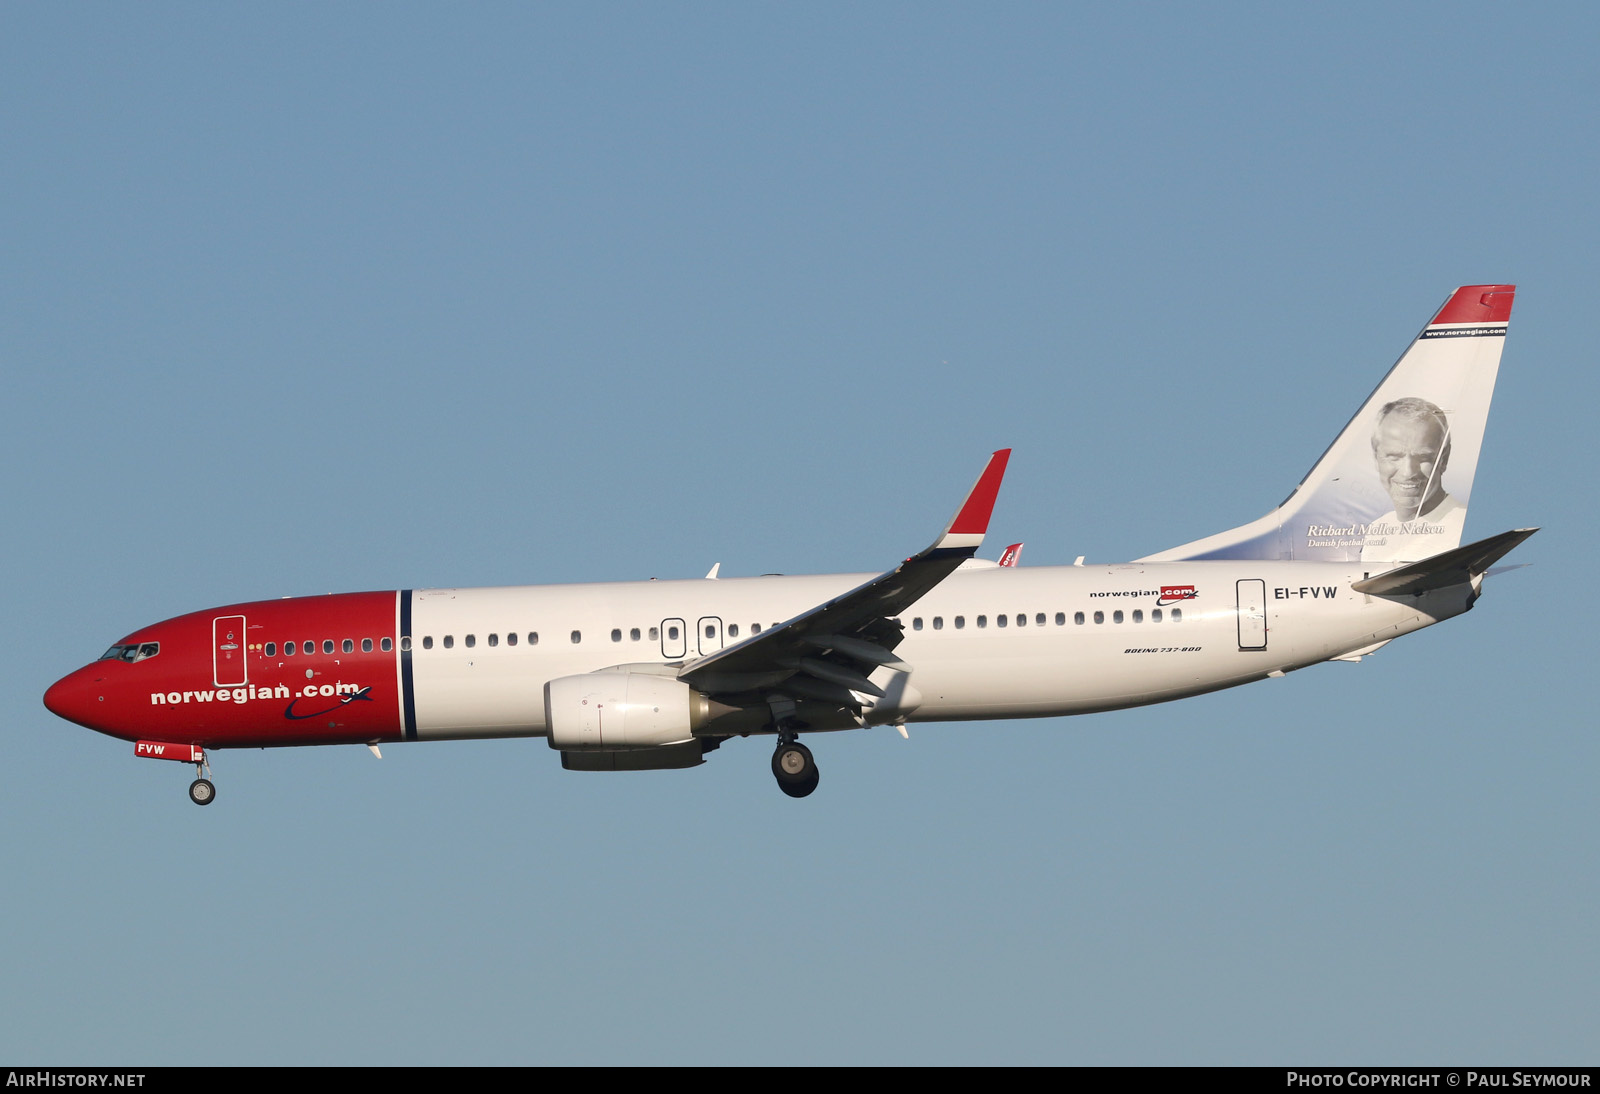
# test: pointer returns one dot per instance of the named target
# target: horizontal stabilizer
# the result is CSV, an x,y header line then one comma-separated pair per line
x,y
1454,567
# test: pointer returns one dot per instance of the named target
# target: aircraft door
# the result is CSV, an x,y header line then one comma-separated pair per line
x,y
708,632
1252,614
227,651
674,639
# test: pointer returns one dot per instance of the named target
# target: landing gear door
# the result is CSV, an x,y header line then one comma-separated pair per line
x,y
227,651
674,639
1252,614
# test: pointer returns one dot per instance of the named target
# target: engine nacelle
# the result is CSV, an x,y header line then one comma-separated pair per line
x,y
612,711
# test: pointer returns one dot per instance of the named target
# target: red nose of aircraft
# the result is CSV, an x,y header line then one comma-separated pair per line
x,y
78,697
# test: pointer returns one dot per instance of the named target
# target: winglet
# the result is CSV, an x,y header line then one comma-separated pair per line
x,y
972,519
1011,555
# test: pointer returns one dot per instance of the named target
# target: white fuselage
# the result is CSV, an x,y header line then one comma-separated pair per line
x,y
1074,639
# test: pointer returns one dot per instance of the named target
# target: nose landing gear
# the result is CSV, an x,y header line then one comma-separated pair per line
x,y
201,792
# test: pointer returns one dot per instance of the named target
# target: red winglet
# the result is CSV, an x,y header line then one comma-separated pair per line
x,y
973,519
1477,304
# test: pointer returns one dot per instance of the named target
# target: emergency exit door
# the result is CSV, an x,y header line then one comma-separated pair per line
x,y
1252,614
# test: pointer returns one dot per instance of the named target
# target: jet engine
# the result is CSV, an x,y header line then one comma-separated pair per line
x,y
610,711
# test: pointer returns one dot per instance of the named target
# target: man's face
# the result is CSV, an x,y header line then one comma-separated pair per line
x,y
1411,457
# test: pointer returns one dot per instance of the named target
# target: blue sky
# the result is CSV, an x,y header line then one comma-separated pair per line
x,y
306,298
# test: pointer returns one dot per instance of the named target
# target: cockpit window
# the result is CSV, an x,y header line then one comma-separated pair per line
x,y
132,651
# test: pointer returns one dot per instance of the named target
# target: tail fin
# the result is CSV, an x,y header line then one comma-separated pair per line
x,y
1393,486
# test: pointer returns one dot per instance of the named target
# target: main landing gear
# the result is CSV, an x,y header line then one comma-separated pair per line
x,y
794,767
792,764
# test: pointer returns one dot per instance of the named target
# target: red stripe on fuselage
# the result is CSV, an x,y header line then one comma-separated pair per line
x,y
311,697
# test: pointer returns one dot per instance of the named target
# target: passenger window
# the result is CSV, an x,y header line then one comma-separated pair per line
x,y
1155,615
733,630
1061,618
655,634
1177,615
386,644
427,641
633,634
1138,615
327,645
616,634
533,638
366,645
348,646
983,621
1099,617
405,643
288,649
1022,620
999,621
577,636
916,623
1116,616
938,622
472,640
755,628
309,647
272,648
961,621
449,641
711,630
494,640
1038,620
672,634
511,639
1077,617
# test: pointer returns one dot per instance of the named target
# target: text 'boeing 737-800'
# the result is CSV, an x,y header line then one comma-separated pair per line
x,y
649,675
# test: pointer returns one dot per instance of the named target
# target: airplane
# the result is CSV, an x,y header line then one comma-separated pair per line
x,y
656,675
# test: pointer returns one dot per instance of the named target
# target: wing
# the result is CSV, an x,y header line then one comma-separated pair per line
x,y
827,653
